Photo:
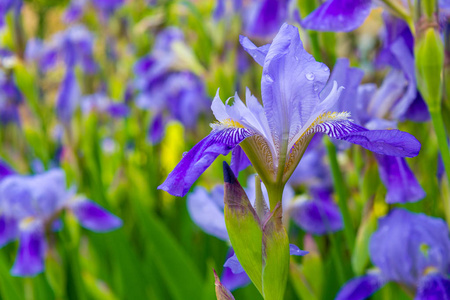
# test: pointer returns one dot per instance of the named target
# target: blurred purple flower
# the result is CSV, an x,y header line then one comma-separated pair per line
x,y
292,113
408,248
30,205
106,8
10,99
74,46
320,215
8,5
101,103
68,98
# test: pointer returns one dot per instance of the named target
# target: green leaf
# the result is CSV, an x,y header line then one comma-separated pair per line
x,y
360,257
275,255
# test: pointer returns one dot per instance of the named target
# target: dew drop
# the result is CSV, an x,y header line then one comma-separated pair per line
x,y
315,87
309,76
184,153
268,78
296,58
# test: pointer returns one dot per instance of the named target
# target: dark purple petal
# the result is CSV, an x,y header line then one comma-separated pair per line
x,y
433,287
219,10
387,142
9,229
5,170
239,160
265,17
68,97
205,212
402,186
258,53
338,15
199,158
118,110
74,11
156,129
317,216
31,253
361,287
94,217
418,110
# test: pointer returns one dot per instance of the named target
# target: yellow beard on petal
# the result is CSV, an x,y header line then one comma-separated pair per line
x,y
227,123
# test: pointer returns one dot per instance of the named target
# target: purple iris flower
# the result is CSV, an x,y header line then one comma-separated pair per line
x,y
106,8
31,205
207,211
408,248
68,98
274,135
9,5
10,99
364,105
73,46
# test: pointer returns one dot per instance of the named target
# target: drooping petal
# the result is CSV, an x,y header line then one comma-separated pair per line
x,y
290,85
402,186
233,281
5,170
9,229
94,217
199,158
295,250
338,15
433,287
361,287
205,212
32,247
239,160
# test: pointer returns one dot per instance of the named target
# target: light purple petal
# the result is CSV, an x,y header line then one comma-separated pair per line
x,y
402,186
231,280
205,212
31,253
9,229
239,160
338,15
234,264
433,287
258,53
199,158
361,287
290,85
94,217
294,250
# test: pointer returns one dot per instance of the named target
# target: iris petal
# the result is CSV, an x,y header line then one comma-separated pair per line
x,y
433,287
361,287
93,217
200,157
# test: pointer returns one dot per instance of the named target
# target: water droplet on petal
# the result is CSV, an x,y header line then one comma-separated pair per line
x,y
268,78
309,76
315,87
296,58
184,154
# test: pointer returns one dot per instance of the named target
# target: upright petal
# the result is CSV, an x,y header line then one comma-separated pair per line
x,y
338,15
290,85
32,247
94,217
68,97
402,186
199,158
258,53
361,287
433,287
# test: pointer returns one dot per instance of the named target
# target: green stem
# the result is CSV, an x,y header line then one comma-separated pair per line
x,y
338,262
339,187
439,128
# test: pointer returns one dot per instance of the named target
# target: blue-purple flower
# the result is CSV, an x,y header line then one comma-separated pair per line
x,y
106,8
30,206
7,6
275,135
408,248
10,99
